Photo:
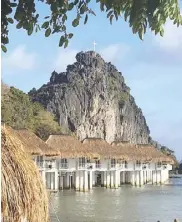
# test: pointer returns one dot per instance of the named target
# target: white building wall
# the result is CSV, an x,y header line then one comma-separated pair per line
x,y
72,164
109,178
130,166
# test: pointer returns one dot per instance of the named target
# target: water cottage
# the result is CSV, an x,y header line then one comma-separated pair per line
x,y
64,162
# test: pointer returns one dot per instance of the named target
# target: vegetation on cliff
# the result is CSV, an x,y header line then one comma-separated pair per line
x,y
18,111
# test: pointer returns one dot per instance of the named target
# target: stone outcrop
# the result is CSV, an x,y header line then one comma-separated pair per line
x,y
92,99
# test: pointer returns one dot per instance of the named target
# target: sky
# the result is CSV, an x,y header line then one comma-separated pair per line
x,y
152,68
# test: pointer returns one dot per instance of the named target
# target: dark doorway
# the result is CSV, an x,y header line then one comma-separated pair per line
x,y
98,180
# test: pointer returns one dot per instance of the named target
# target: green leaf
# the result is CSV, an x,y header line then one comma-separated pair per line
x,y
76,2
162,32
116,15
92,12
109,14
48,32
4,48
86,19
70,6
61,41
111,18
75,22
83,9
45,25
64,18
30,30
141,32
12,4
19,25
101,6
66,43
70,35
46,17
54,7
10,20
19,15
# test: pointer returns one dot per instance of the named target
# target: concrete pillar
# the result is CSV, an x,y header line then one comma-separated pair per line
x,y
56,180
105,178
162,178
52,180
77,181
137,181
141,178
81,188
123,177
133,178
153,177
73,180
126,177
91,178
167,175
119,178
116,179
61,182
148,176
102,179
108,179
112,179
143,172
85,180
67,180
158,176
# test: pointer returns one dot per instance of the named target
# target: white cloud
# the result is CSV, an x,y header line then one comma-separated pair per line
x,y
64,57
114,52
171,42
19,59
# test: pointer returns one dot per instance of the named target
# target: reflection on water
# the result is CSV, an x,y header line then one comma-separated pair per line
x,y
127,204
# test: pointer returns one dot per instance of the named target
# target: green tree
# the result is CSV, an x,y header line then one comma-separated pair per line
x,y
18,111
44,123
140,14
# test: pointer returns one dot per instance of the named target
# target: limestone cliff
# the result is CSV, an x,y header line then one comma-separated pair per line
x,y
92,99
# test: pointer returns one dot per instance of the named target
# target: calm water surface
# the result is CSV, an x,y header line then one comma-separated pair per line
x,y
127,204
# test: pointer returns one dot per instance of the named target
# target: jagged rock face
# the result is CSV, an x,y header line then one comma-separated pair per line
x,y
92,99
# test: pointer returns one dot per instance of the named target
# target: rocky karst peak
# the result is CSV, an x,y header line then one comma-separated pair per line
x,y
92,99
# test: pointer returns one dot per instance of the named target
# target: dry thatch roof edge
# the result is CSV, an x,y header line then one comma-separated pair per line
x,y
23,193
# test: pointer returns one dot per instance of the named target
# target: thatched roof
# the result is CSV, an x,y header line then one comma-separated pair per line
x,y
69,147
141,152
35,145
104,149
23,195
155,154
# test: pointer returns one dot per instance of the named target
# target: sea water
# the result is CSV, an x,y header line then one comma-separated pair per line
x,y
127,204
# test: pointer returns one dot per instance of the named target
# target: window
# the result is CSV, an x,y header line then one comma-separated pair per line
x,y
138,163
159,164
64,160
97,164
40,161
64,163
82,162
113,163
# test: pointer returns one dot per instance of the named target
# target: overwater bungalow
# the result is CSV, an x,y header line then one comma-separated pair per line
x,y
65,162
